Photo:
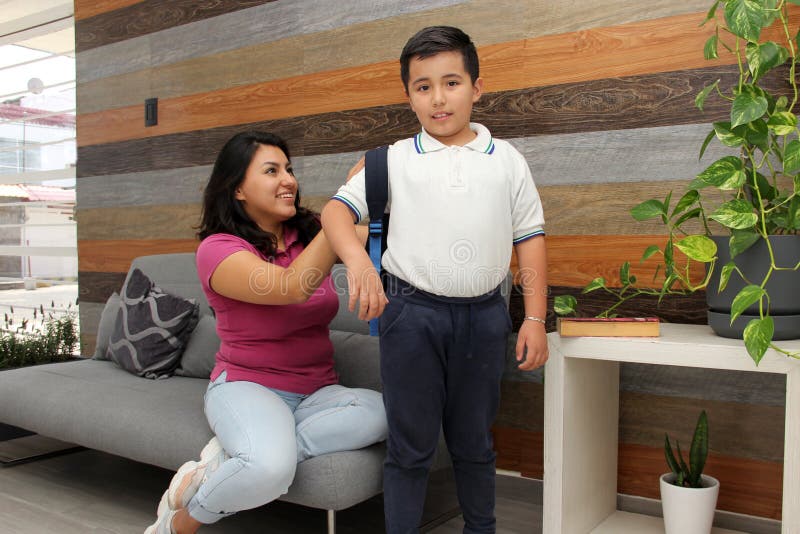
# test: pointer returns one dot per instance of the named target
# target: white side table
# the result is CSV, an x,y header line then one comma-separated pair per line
x,y
582,415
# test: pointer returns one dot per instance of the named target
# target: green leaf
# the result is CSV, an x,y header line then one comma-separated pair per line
x,y
691,214
741,240
564,304
747,107
649,251
758,336
700,99
688,198
625,273
765,188
737,213
649,209
726,173
726,135
706,141
698,247
791,157
668,454
698,452
761,58
745,18
725,275
783,122
756,133
747,296
797,182
710,48
713,11
597,283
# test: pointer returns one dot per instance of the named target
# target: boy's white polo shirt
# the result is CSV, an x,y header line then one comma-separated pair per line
x,y
456,211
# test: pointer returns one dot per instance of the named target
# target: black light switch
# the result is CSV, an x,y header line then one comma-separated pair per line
x,y
151,112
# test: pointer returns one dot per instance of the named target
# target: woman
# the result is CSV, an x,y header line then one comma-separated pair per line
x,y
273,400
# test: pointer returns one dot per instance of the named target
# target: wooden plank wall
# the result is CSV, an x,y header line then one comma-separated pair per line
x,y
597,96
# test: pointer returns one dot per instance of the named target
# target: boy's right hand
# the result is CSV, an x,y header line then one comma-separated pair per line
x,y
366,289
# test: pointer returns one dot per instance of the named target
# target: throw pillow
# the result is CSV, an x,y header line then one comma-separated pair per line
x,y
151,328
106,325
201,351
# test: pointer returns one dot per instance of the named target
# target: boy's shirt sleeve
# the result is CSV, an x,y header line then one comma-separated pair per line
x,y
354,195
527,215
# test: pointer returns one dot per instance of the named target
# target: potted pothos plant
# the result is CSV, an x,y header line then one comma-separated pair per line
x,y
688,497
741,215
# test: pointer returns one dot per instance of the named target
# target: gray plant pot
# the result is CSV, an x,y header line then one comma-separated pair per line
x,y
783,287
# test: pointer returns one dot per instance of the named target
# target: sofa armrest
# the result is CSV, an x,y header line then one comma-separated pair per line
x,y
357,359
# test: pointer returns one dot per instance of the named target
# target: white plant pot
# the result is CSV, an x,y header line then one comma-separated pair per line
x,y
688,510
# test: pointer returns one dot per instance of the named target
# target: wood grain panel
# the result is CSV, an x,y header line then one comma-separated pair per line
x,y
170,186
521,406
685,309
179,150
519,450
149,16
746,486
115,256
487,22
753,431
577,260
530,117
707,384
149,222
96,287
88,343
239,29
90,8
596,54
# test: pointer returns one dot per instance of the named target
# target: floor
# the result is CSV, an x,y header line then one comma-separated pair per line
x,y
90,492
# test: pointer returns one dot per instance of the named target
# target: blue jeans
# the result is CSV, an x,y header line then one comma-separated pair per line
x,y
266,432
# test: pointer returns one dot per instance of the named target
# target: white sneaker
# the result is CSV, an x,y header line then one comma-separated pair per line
x,y
163,524
191,475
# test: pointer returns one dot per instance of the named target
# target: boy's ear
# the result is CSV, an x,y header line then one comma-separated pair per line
x,y
477,90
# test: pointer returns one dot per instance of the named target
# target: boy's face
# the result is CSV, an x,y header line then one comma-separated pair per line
x,y
441,94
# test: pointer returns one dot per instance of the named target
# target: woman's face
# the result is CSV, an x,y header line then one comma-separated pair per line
x,y
269,188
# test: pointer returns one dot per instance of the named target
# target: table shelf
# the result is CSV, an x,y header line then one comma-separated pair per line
x,y
582,418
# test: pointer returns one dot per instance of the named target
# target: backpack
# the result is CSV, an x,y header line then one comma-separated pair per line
x,y
376,179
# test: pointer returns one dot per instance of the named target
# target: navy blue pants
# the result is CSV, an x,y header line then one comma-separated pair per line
x,y
441,364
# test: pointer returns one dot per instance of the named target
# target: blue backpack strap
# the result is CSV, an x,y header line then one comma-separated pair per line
x,y
377,193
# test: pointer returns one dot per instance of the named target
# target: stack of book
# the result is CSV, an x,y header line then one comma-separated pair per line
x,y
609,327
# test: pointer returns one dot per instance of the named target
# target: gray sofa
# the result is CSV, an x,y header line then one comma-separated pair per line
x,y
96,404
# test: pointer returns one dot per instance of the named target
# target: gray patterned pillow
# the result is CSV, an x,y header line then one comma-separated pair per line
x,y
151,328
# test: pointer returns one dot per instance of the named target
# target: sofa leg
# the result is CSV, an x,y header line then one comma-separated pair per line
x,y
331,521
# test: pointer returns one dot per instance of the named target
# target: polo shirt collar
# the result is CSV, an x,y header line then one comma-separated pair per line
x,y
483,142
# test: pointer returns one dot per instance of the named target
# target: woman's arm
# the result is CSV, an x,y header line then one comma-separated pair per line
x,y
246,277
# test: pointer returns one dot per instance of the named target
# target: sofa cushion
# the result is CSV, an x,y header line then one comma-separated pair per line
x,y
106,325
201,350
151,328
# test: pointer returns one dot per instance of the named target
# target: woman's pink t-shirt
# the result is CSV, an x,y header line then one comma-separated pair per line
x,y
285,347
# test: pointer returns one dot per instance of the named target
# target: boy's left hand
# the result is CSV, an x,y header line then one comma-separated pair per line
x,y
532,336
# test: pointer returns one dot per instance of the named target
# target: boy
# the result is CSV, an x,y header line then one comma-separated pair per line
x,y
458,199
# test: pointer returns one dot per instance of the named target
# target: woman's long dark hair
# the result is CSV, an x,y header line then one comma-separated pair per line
x,y
223,213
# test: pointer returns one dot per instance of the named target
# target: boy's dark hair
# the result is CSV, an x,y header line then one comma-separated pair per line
x,y
435,39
